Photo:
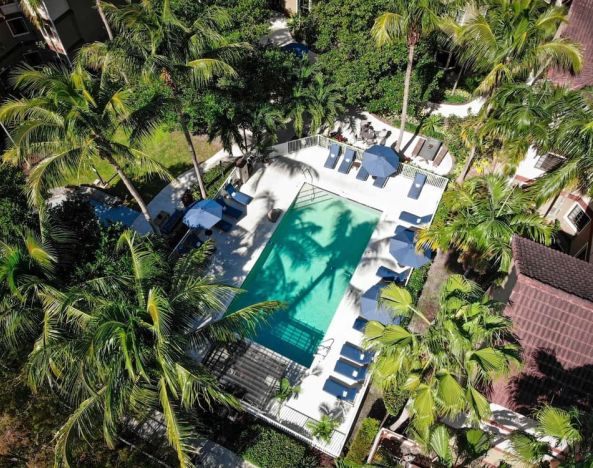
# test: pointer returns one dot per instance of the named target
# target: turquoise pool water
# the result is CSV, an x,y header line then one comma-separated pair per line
x,y
307,264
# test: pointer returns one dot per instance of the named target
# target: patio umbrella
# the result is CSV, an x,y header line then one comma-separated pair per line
x,y
403,248
370,308
203,214
380,161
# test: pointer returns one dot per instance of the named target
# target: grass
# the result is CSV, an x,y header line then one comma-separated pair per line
x,y
168,148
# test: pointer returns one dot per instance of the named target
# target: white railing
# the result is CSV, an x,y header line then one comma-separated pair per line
x,y
404,169
295,423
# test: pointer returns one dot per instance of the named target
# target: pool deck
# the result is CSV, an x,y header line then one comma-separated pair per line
x,y
275,186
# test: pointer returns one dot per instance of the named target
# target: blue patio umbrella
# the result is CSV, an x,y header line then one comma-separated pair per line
x,y
380,161
403,248
371,309
203,214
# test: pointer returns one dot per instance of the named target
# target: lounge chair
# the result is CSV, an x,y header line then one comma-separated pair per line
x,y
389,275
360,324
340,390
380,182
440,156
363,174
418,147
334,155
346,164
413,218
417,186
239,197
229,210
172,222
224,225
355,354
350,370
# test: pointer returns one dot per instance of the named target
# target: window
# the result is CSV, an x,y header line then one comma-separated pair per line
x,y
582,254
548,161
17,26
578,218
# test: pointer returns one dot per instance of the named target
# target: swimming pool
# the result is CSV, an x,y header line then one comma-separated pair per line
x,y
307,264
108,214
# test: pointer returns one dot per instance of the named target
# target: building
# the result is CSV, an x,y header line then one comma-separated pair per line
x,y
550,301
572,210
579,28
53,30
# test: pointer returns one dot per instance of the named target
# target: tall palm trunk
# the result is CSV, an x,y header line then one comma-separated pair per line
x,y
104,19
134,192
168,77
408,78
468,164
193,152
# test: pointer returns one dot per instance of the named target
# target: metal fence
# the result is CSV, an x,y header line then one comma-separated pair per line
x,y
295,423
404,169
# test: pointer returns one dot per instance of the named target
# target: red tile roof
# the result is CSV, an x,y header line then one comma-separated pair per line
x,y
552,313
579,28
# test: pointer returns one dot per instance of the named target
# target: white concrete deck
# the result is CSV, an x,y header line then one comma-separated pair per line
x,y
275,186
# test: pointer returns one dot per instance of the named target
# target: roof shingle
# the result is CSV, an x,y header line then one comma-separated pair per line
x,y
554,268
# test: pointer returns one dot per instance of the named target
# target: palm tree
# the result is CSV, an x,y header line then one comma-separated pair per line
x,y
69,119
314,101
409,20
512,42
120,348
479,220
152,40
26,268
445,370
556,428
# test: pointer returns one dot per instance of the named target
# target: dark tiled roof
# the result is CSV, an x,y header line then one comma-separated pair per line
x,y
552,312
554,268
579,29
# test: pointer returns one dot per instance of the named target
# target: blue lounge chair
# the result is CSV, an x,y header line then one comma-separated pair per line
x,y
417,186
355,354
229,210
363,174
172,222
390,275
239,197
340,390
224,225
380,182
334,155
360,324
347,162
350,370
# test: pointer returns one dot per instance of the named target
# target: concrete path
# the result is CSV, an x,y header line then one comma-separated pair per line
x,y
212,455
169,199
458,110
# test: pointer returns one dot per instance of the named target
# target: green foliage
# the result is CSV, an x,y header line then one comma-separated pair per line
x,y
14,210
361,445
417,280
286,390
395,400
213,179
269,448
324,428
369,77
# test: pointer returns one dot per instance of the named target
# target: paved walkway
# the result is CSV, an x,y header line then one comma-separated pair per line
x,y
458,110
169,199
212,455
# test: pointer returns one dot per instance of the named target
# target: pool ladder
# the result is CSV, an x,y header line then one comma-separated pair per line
x,y
325,346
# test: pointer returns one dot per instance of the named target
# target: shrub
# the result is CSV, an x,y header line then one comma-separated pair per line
x,y
363,441
417,280
269,448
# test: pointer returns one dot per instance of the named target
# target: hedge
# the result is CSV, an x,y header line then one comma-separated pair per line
x,y
269,448
361,446
417,280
